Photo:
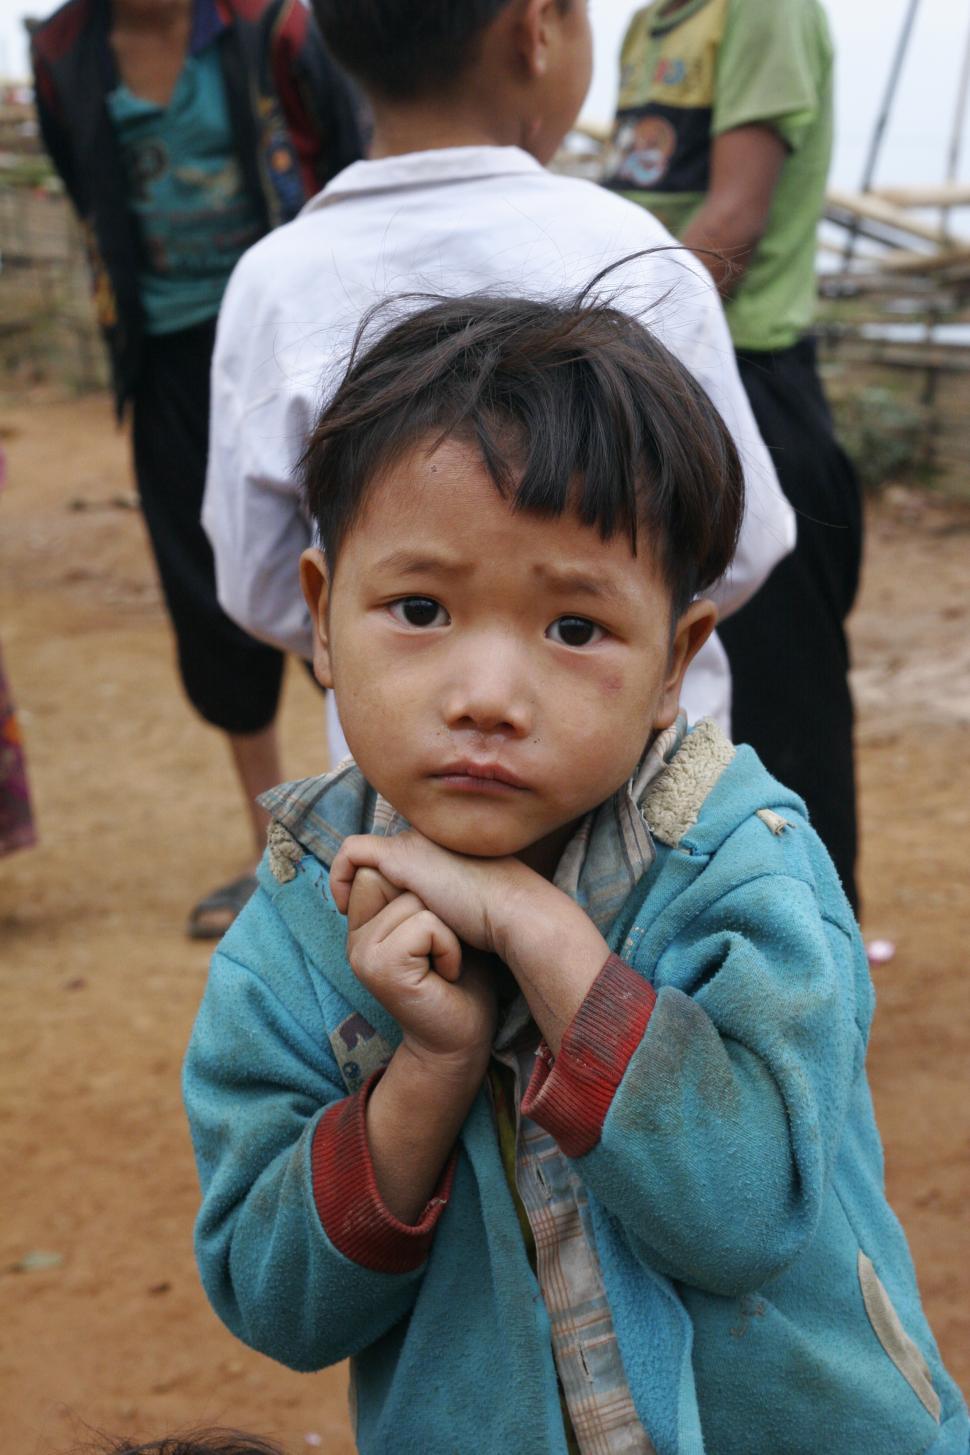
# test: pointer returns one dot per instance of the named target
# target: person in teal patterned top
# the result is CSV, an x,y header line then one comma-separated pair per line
x,y
186,188
184,130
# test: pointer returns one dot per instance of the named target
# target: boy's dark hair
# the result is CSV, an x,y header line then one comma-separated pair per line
x,y
400,49
574,406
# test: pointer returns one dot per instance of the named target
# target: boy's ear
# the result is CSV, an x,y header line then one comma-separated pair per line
x,y
691,632
532,34
315,581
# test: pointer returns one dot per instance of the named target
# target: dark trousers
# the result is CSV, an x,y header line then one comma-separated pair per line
x,y
788,650
232,680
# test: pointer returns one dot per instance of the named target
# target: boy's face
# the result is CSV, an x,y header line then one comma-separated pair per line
x,y
498,674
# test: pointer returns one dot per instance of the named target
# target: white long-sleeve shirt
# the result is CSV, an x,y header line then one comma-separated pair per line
x,y
453,221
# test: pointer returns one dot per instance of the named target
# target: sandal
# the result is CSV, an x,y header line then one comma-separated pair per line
x,y
213,915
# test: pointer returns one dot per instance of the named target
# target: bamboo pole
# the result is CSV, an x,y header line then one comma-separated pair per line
x,y
873,209
941,194
913,262
953,162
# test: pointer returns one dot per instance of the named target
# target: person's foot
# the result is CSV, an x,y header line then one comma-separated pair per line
x,y
213,915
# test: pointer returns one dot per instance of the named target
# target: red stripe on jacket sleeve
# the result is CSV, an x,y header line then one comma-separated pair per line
x,y
351,1209
570,1094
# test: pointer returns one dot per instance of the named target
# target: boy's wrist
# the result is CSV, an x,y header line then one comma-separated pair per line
x,y
525,911
553,949
387,1235
442,1072
413,1120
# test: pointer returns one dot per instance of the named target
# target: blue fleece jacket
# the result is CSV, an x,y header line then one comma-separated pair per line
x,y
761,1289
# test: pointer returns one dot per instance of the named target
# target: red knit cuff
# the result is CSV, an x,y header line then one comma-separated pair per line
x,y
351,1209
570,1094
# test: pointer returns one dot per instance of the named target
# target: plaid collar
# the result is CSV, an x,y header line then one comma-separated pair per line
x,y
612,848
608,854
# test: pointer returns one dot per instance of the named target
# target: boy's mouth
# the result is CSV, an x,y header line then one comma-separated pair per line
x,y
480,777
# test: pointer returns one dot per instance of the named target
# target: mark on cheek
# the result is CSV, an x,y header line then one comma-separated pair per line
x,y
613,683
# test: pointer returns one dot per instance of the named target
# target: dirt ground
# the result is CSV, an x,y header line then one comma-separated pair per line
x,y
103,1321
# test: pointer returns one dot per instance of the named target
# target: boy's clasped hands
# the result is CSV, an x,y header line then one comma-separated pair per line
x,y
421,922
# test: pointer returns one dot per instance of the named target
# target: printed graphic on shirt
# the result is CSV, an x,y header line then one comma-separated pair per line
x,y
662,149
662,138
195,222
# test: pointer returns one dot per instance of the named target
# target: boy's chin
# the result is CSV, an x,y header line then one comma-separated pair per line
x,y
476,845
478,836
483,838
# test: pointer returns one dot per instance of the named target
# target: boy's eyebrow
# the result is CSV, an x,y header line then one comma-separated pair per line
x,y
408,563
571,580
576,581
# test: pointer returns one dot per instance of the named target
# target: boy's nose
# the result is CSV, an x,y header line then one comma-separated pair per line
x,y
491,693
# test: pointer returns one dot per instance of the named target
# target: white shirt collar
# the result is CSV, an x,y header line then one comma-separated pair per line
x,y
425,169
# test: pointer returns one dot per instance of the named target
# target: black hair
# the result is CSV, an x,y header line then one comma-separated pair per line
x,y
400,49
573,406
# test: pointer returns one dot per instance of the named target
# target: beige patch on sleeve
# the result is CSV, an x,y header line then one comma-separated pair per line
x,y
894,1338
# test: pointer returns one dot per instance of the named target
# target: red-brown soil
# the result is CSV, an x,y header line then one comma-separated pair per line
x,y
137,816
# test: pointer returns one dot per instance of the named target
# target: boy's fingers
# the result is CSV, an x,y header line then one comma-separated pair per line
x,y
356,853
405,859
424,936
402,932
370,892
373,932
445,950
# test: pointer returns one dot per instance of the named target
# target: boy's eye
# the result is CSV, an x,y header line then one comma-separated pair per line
x,y
419,611
575,631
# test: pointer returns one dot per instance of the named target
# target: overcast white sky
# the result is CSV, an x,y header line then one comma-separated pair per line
x,y
865,33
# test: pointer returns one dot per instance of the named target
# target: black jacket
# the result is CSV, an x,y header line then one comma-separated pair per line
x,y
295,118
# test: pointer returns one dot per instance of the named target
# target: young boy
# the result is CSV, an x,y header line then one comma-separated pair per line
x,y
532,1078
470,101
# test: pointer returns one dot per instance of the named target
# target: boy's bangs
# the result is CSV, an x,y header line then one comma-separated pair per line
x,y
540,466
573,407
